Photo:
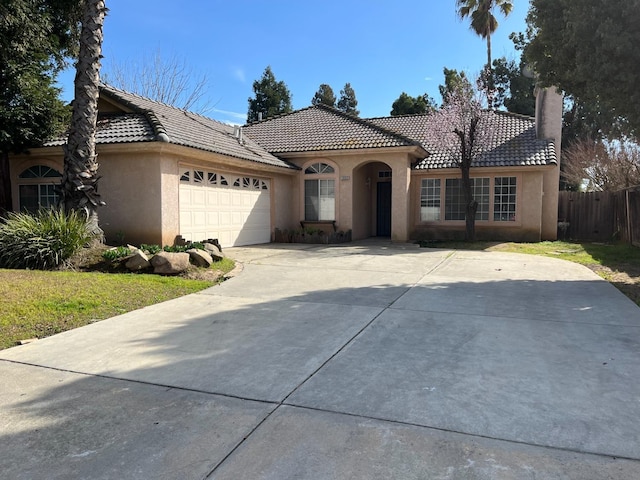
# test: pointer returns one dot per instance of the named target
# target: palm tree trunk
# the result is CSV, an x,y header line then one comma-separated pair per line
x,y
80,177
489,74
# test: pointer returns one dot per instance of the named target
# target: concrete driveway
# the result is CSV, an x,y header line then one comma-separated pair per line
x,y
361,361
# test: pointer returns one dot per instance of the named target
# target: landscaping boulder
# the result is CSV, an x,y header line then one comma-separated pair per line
x,y
200,258
138,261
214,251
168,263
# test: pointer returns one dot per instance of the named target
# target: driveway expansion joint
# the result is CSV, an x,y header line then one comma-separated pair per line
x,y
459,432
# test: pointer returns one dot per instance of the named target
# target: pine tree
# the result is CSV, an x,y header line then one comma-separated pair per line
x,y
271,97
324,96
348,103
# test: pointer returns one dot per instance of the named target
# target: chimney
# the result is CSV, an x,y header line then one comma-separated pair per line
x,y
549,127
549,103
259,116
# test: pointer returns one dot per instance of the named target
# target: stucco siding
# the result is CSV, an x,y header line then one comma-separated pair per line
x,y
131,186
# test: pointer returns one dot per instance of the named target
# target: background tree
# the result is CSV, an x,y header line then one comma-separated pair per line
x,y
167,79
324,96
455,85
36,37
460,130
408,105
511,88
348,103
598,166
589,49
484,23
271,97
79,187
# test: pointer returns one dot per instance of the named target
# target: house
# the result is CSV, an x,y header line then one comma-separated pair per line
x,y
168,173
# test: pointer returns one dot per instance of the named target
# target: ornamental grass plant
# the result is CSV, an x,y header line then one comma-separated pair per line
x,y
42,240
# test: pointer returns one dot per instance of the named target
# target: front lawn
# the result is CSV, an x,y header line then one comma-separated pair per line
x,y
36,304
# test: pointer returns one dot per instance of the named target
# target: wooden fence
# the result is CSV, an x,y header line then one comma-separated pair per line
x,y
600,216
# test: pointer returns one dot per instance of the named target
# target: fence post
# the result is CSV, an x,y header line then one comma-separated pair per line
x,y
629,225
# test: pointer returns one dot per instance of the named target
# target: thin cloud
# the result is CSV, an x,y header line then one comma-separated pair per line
x,y
238,74
239,116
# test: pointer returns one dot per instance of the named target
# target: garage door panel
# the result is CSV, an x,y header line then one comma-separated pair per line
x,y
213,219
198,197
236,199
212,198
237,219
224,198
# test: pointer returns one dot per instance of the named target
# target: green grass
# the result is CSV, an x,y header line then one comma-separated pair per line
x,y
582,253
36,304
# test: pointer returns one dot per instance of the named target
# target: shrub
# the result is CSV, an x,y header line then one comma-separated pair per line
x,y
150,249
43,240
183,248
114,254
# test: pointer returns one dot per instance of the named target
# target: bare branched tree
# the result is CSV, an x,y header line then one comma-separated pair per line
x,y
598,166
166,79
463,132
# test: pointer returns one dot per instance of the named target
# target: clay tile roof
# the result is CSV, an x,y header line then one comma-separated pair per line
x,y
118,128
153,121
321,128
514,141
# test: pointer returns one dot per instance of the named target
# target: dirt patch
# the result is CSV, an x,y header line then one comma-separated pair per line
x,y
90,260
626,279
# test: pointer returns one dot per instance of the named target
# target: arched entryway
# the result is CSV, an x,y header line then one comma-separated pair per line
x,y
372,200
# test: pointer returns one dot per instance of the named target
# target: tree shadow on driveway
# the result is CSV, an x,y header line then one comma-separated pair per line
x,y
173,389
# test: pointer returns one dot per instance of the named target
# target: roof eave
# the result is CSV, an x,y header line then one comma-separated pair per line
x,y
416,151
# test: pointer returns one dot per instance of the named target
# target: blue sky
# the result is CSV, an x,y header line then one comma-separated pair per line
x,y
381,47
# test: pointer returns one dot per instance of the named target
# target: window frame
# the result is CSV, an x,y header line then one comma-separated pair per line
x,y
325,172
506,214
490,206
434,197
460,209
44,177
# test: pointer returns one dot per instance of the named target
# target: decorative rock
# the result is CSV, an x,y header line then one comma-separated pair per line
x,y
138,261
214,251
213,241
200,258
168,263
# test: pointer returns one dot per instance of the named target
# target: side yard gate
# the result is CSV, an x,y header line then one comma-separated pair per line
x,y
600,216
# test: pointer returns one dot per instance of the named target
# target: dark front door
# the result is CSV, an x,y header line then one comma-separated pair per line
x,y
383,209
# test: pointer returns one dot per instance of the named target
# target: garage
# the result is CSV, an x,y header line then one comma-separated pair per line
x,y
232,208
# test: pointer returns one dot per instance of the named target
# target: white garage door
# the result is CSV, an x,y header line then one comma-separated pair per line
x,y
234,209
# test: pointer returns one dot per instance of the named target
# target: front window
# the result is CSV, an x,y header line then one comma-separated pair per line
x,y
319,192
504,199
455,205
430,200
37,188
